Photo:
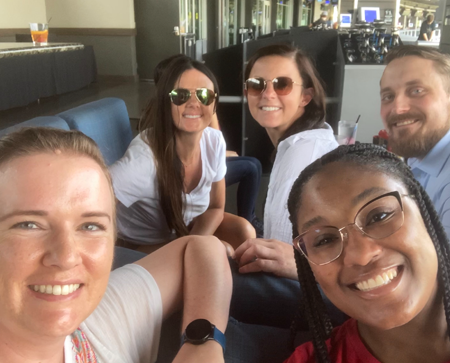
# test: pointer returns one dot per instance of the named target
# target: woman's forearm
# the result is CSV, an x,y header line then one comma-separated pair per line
x,y
207,294
207,282
207,223
193,272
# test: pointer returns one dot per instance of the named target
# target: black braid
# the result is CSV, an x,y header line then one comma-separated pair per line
x,y
437,234
313,308
364,156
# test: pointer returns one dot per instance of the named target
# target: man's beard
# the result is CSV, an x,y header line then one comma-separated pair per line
x,y
416,145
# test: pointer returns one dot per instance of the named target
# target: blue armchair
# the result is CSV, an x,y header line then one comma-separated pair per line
x,y
106,121
46,121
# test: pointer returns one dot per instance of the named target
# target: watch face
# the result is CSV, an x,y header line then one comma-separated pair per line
x,y
199,330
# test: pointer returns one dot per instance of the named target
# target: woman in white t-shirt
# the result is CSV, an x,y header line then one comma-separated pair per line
x,y
58,300
170,182
285,96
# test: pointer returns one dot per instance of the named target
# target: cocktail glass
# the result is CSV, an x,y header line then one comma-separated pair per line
x,y
39,33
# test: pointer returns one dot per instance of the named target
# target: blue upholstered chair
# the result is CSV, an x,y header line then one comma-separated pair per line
x,y
47,121
105,121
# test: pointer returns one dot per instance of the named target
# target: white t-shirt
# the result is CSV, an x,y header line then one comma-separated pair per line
x,y
126,325
293,155
140,218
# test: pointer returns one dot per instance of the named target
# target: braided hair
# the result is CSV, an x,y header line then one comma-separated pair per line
x,y
372,157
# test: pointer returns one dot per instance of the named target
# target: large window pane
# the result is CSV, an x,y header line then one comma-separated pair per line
x,y
285,10
261,17
306,12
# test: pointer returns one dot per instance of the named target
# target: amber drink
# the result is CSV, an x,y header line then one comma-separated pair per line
x,y
39,33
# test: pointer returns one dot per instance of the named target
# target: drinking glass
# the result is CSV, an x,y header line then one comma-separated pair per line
x,y
39,33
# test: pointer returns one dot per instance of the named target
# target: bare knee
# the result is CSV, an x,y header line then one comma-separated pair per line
x,y
210,243
244,230
248,229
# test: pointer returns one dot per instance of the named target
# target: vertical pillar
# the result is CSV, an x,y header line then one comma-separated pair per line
x,y
248,13
338,10
444,44
219,12
273,15
211,24
396,14
297,13
355,12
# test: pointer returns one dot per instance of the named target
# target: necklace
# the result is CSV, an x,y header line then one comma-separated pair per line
x,y
186,165
191,163
194,159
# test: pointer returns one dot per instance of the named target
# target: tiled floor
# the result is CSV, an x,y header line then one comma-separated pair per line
x,y
135,96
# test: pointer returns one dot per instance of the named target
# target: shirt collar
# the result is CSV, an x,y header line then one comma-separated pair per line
x,y
326,132
436,158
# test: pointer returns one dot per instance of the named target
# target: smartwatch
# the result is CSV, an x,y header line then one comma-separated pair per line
x,y
200,331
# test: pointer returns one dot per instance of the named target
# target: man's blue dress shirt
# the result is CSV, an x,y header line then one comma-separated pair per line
x,y
433,172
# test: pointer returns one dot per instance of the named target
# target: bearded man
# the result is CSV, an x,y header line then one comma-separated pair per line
x,y
415,109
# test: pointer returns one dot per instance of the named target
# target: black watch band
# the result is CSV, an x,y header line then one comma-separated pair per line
x,y
200,331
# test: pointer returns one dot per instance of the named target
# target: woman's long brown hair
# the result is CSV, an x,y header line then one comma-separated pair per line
x,y
159,130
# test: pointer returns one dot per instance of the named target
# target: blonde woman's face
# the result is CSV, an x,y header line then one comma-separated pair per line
x,y
56,243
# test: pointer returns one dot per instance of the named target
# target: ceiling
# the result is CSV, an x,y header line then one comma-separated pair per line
x,y
421,4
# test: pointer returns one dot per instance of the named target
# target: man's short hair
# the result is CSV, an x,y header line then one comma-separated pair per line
x,y
430,18
440,60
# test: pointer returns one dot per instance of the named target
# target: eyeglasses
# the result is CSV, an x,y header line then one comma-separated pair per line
x,y
377,219
180,96
281,85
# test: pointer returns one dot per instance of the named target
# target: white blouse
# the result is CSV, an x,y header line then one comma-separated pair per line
x,y
140,218
293,155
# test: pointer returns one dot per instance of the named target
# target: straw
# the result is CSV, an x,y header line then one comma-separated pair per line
x,y
352,139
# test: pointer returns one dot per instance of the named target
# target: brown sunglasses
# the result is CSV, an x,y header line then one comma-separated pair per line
x,y
281,85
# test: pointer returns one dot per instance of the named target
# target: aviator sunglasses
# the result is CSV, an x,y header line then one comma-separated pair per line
x,y
180,96
281,85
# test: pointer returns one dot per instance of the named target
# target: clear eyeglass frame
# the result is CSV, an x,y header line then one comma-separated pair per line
x,y
343,235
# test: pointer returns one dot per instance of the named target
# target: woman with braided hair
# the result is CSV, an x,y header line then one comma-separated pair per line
x,y
372,240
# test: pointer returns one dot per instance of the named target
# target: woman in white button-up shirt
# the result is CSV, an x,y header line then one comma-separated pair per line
x,y
285,96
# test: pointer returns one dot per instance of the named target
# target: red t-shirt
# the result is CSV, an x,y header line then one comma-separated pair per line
x,y
344,346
